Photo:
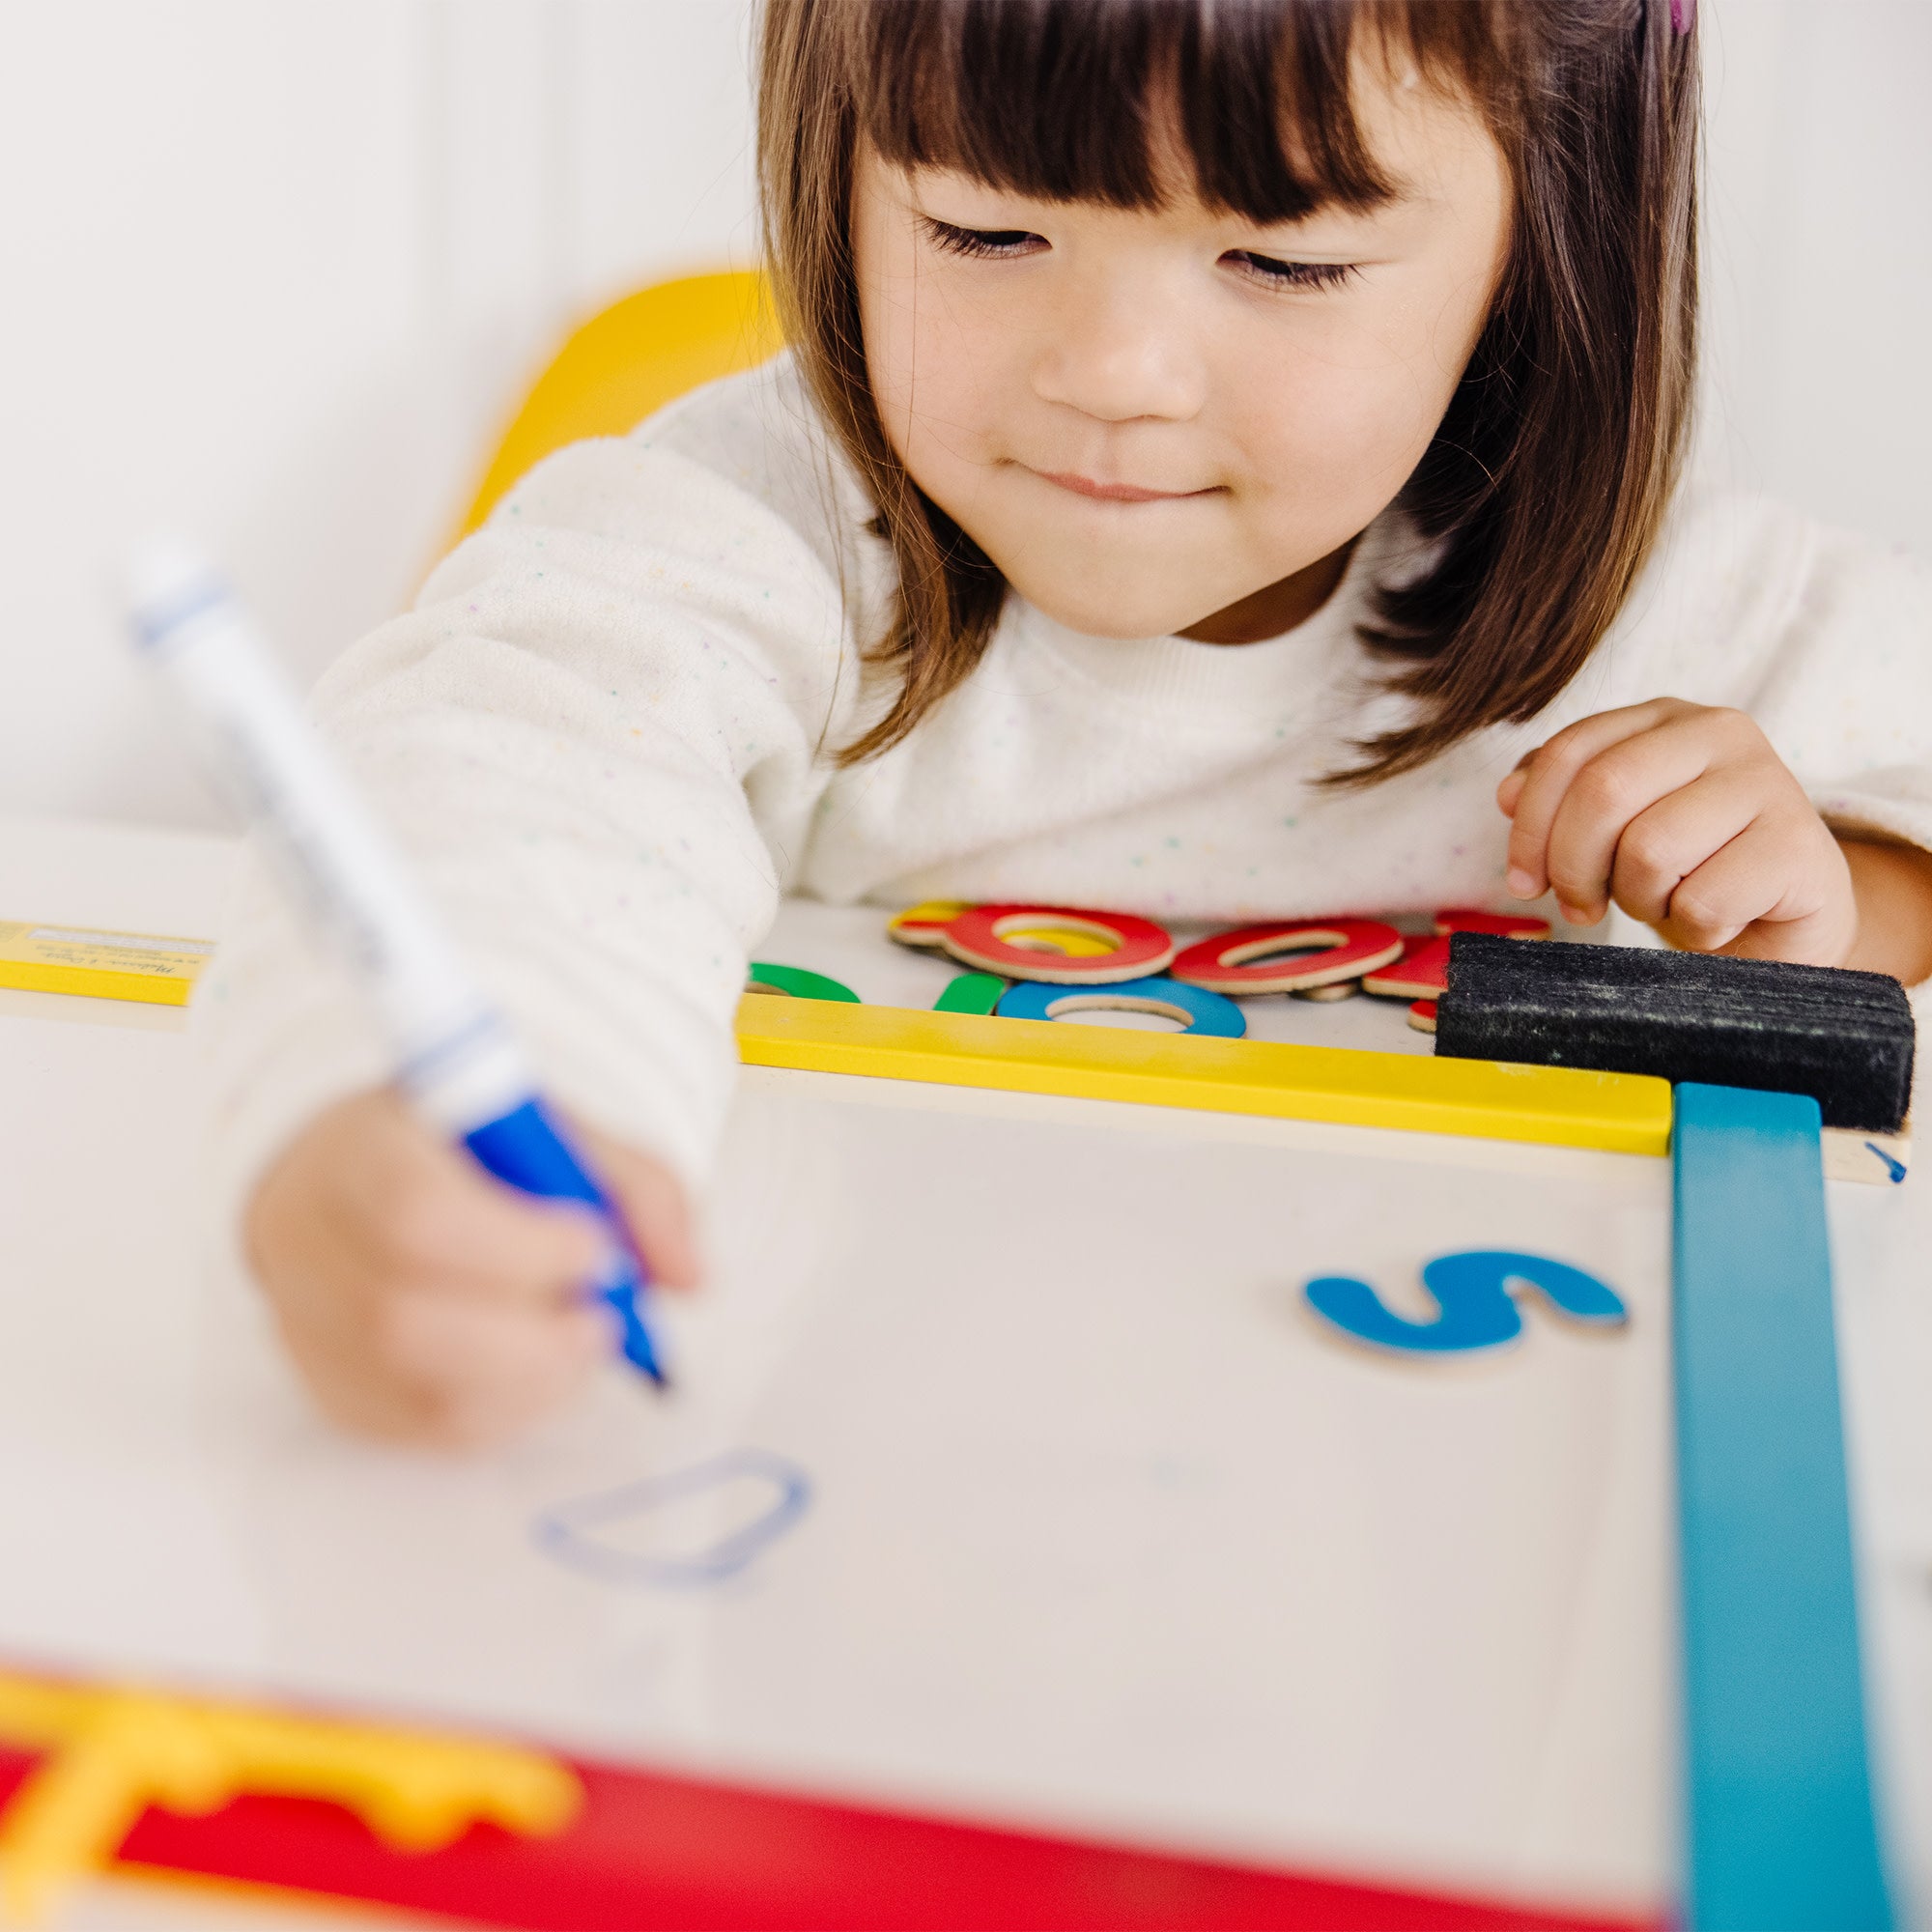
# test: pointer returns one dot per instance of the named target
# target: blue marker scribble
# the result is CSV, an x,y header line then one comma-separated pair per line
x,y
1895,1168
1473,1293
576,1533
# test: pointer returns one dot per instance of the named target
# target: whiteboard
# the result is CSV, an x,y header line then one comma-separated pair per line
x,y
1099,1530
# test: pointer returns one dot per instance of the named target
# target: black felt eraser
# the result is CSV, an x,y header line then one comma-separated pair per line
x,y
1844,1037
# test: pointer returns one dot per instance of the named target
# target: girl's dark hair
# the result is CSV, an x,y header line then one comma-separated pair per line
x,y
1543,488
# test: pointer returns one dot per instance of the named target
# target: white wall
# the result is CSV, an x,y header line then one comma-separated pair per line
x,y
274,269
1819,256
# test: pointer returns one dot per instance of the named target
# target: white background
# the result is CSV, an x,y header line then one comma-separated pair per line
x,y
274,269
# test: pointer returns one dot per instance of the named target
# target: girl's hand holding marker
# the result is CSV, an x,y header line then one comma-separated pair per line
x,y
426,1294
424,1301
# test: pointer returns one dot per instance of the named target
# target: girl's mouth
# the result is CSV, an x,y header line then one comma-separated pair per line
x,y
1114,492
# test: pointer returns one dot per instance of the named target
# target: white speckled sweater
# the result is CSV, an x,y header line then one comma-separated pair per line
x,y
602,738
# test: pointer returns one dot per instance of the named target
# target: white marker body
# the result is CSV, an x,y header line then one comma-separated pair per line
x,y
453,1052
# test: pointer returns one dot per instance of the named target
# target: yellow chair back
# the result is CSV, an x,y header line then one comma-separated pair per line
x,y
623,364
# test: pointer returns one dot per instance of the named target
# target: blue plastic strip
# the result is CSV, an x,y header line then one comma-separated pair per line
x,y
1781,1830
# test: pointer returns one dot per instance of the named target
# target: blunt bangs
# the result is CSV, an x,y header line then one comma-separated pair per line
x,y
1078,100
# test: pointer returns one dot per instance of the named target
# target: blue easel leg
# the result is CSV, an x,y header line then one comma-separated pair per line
x,y
1782,1835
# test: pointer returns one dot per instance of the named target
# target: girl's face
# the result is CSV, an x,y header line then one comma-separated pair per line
x,y
1176,420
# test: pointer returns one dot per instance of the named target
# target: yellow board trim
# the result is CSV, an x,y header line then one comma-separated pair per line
x,y
49,958
112,1751
1560,1106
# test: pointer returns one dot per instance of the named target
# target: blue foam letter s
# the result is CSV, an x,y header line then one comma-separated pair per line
x,y
1473,1292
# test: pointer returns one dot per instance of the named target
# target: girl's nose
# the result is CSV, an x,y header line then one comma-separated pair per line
x,y
1117,359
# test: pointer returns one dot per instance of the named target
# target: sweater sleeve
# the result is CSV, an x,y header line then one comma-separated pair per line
x,y
597,739
1850,689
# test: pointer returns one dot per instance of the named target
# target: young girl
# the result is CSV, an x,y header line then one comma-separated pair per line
x,y
1225,468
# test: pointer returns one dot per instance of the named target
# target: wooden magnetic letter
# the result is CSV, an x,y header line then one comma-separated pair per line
x,y
1422,972
1199,1010
993,939
798,982
1504,925
1475,1292
924,925
971,993
1319,951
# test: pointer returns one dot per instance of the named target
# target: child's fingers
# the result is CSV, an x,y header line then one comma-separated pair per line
x,y
423,1301
1737,891
1606,796
427,1213
656,1208
1546,777
1765,897
478,1371
1664,844
1714,902
438,1370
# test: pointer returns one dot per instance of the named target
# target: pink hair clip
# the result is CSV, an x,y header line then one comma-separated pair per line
x,y
1683,16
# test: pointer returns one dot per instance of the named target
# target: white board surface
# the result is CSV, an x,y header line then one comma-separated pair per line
x,y
1104,1533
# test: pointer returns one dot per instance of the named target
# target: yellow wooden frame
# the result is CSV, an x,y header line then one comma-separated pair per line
x,y
1562,1106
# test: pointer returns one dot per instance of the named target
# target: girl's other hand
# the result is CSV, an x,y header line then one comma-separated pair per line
x,y
423,1301
1685,816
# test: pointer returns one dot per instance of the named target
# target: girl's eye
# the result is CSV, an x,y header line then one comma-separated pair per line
x,y
980,241
1266,268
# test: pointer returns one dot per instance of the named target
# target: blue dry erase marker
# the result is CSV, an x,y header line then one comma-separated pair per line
x,y
455,1056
